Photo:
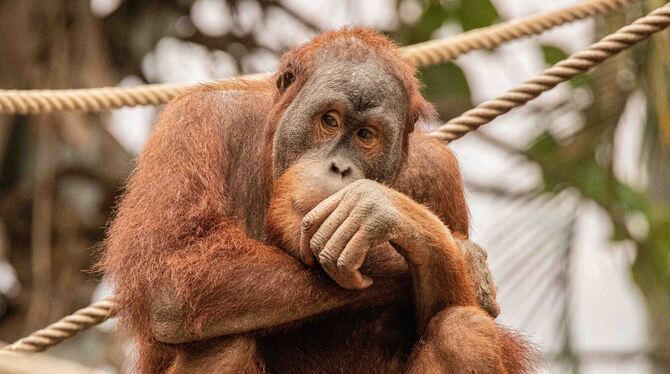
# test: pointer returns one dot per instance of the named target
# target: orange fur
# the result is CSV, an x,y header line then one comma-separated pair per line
x,y
193,220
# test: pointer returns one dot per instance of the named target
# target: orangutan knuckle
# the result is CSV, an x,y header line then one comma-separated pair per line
x,y
344,264
383,218
368,206
326,259
355,186
316,243
393,216
364,186
307,221
369,231
374,201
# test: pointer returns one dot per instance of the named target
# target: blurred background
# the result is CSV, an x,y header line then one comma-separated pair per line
x,y
570,194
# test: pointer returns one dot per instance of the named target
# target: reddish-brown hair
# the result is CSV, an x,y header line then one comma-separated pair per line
x,y
355,44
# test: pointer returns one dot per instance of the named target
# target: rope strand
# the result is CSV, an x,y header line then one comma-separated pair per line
x,y
442,50
578,63
65,328
421,54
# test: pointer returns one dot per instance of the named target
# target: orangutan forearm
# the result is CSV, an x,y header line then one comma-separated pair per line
x,y
276,290
441,276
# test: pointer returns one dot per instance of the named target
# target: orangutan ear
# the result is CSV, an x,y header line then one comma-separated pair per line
x,y
285,80
420,110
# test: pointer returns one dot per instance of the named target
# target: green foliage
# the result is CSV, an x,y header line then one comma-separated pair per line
x,y
584,161
469,14
476,13
447,87
552,54
562,168
432,19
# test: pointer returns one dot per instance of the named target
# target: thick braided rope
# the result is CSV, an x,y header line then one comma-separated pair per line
x,y
576,64
442,50
67,327
641,29
99,99
422,54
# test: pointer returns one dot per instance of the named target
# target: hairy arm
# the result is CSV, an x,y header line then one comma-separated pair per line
x,y
179,256
340,231
414,217
248,286
431,176
183,265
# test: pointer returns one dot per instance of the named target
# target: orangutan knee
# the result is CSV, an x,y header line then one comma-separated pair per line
x,y
459,340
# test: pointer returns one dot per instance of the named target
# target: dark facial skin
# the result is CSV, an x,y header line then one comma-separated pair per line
x,y
348,117
235,185
341,139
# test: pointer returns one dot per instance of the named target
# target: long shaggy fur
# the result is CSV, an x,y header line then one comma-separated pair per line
x,y
192,220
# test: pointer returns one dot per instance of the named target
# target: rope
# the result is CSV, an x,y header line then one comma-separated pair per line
x,y
576,64
421,54
439,51
67,327
99,99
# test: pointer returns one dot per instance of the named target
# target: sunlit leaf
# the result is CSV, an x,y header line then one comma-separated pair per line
x,y
477,13
432,19
447,88
553,55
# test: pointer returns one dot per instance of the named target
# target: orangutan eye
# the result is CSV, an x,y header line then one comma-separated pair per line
x,y
330,119
365,134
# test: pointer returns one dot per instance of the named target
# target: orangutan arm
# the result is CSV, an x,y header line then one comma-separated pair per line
x,y
259,287
183,265
183,268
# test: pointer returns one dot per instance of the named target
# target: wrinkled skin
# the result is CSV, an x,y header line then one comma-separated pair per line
x,y
341,230
305,227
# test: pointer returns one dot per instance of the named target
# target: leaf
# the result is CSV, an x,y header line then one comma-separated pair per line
x,y
432,19
553,55
448,88
477,13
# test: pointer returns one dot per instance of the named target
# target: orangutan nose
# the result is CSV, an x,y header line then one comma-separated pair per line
x,y
338,173
341,168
